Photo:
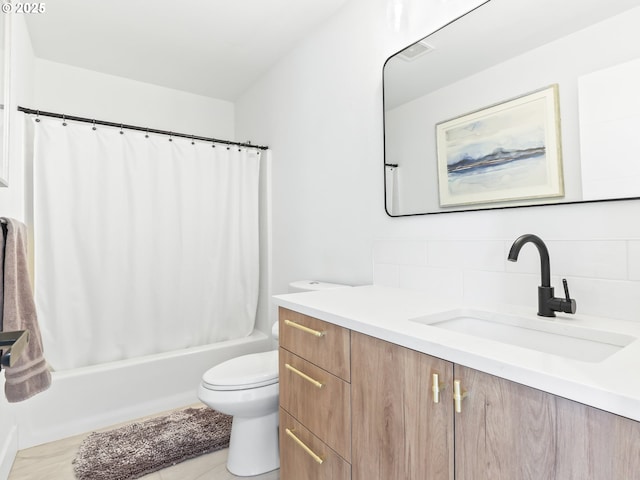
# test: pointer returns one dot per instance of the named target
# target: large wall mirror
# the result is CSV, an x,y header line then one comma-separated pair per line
x,y
516,103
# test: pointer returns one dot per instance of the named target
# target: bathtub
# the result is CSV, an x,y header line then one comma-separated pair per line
x,y
93,397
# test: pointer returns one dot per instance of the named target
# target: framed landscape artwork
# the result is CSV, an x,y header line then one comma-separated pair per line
x,y
505,152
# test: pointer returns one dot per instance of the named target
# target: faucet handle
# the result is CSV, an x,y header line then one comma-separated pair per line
x,y
566,289
569,304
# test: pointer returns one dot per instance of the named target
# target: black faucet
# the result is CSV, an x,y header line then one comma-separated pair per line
x,y
547,303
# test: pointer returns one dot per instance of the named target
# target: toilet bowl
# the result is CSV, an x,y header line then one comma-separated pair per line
x,y
246,387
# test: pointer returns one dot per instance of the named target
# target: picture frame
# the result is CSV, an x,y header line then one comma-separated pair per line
x,y
506,152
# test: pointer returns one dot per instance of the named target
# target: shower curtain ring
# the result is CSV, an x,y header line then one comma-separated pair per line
x,y
64,121
37,115
171,136
94,125
121,132
146,135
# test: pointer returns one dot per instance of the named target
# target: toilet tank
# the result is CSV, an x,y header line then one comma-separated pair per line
x,y
312,285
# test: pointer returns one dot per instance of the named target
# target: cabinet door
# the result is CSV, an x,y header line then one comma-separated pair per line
x,y
398,432
508,431
596,445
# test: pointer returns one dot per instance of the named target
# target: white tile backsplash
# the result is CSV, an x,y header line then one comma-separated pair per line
x,y
386,275
603,275
593,259
494,287
480,255
400,252
437,283
607,298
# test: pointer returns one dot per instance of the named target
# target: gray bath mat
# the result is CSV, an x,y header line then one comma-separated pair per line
x,y
140,448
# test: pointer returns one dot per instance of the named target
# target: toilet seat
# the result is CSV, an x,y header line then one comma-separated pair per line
x,y
244,372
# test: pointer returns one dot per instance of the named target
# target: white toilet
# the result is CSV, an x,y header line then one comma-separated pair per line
x,y
247,388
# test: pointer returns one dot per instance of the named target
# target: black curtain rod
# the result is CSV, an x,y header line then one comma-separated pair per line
x,y
31,111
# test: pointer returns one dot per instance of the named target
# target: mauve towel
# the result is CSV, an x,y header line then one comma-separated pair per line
x,y
30,374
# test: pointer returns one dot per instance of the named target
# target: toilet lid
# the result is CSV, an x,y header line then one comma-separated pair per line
x,y
248,371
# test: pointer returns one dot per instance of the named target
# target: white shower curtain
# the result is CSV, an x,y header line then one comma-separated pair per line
x,y
143,243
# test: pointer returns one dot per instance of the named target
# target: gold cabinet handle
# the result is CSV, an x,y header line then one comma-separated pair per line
x,y
315,333
304,375
458,395
311,453
436,387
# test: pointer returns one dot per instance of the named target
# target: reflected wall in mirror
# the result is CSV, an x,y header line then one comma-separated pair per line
x,y
503,50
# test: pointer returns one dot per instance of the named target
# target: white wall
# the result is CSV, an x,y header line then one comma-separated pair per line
x,y
320,109
76,91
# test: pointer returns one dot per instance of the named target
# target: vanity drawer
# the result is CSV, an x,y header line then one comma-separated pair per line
x,y
321,343
317,399
302,452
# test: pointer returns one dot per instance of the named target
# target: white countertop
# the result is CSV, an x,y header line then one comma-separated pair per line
x,y
612,384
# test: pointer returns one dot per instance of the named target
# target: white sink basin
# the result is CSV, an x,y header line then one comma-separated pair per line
x,y
548,336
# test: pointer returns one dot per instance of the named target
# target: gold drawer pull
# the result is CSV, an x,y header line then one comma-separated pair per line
x,y
436,387
313,455
458,395
315,333
304,375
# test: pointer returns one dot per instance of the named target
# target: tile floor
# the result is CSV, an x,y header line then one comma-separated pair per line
x,y
52,461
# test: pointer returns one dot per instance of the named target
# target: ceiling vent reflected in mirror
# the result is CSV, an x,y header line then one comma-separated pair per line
x,y
416,50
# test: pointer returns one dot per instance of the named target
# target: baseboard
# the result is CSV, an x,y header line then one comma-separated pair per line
x,y
8,452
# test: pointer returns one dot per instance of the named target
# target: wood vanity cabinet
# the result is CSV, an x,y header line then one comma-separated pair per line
x,y
504,431
315,399
371,415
